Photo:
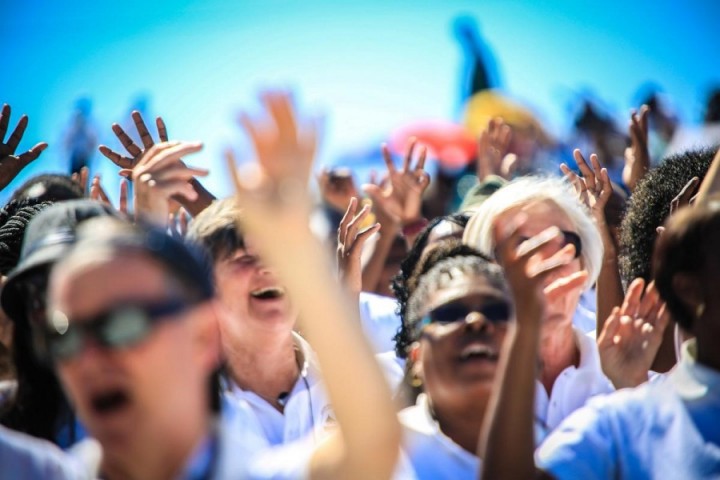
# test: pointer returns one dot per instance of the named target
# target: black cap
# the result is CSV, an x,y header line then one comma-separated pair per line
x,y
48,238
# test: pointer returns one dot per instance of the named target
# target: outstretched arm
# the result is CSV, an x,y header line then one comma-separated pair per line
x,y
276,208
510,416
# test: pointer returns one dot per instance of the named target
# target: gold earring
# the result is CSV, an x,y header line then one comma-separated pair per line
x,y
699,310
416,381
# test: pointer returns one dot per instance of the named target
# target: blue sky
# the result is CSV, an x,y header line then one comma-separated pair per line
x,y
367,67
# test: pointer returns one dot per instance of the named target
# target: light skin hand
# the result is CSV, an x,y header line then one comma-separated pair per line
x,y
11,164
350,244
493,150
336,192
160,175
632,336
401,197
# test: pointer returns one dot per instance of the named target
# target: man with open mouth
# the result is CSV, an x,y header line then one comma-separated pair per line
x,y
270,368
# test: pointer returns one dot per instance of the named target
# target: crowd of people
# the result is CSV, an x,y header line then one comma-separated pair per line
x,y
554,320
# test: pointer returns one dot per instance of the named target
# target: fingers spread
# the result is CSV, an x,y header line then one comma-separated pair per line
x,y
142,130
17,134
116,158
126,141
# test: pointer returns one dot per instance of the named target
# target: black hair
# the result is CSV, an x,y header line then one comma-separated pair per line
x,y
49,187
400,285
14,219
649,206
688,245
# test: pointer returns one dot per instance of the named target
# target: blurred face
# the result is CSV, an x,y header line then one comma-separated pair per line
x,y
458,350
542,215
252,293
122,393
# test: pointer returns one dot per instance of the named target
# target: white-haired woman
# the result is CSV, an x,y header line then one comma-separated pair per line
x,y
569,370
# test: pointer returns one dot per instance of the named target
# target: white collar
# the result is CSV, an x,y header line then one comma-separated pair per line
x,y
693,380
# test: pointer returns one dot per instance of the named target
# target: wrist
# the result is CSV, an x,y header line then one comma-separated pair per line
x,y
413,227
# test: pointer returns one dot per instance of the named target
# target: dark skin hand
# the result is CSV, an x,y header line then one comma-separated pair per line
x,y
194,207
11,164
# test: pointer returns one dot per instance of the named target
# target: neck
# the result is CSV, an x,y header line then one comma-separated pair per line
x,y
462,424
266,366
558,351
162,456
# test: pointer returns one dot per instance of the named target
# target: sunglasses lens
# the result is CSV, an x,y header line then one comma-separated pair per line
x,y
124,328
574,239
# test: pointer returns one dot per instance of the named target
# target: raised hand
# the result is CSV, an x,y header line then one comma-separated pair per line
x,y
337,187
135,152
492,156
350,244
632,335
11,164
593,188
278,188
81,178
401,197
528,263
637,156
160,175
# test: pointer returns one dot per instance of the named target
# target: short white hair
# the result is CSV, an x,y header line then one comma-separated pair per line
x,y
526,190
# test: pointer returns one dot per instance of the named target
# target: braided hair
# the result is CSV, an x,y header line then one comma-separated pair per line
x,y
14,219
400,283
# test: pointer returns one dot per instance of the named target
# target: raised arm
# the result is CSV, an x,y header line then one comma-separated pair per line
x,y
510,416
276,207
594,189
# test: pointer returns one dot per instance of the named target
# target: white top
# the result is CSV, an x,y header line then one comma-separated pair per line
x,y
665,429
573,387
380,321
307,410
585,315
427,452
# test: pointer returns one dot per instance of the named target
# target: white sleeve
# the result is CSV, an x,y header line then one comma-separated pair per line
x,y
581,447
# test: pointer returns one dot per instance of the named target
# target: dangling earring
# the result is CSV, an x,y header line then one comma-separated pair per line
x,y
699,310
416,380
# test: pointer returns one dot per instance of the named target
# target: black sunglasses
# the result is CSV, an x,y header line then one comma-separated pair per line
x,y
117,328
497,312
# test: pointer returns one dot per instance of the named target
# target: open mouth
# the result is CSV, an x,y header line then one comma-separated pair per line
x,y
110,401
477,351
268,293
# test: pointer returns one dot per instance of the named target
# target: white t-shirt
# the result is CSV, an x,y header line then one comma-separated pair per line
x,y
669,428
427,452
307,410
379,320
572,388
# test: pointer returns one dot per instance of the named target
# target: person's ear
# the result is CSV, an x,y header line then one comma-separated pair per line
x,y
415,357
207,334
689,289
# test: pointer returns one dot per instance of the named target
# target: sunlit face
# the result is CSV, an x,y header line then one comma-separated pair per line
x,y
458,352
253,295
141,389
540,216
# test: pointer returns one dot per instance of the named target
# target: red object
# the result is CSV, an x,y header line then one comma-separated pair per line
x,y
449,143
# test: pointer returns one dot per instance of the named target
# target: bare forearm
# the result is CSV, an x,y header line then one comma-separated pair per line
x,y
373,269
360,396
507,440
609,284
204,199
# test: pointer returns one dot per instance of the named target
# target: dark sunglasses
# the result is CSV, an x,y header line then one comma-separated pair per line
x,y
117,328
498,312
568,238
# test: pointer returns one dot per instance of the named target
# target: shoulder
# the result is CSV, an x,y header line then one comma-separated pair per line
x,y
22,456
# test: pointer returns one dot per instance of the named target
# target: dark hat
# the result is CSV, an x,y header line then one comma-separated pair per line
x,y
182,259
48,238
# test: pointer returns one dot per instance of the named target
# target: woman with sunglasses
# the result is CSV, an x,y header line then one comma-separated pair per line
x,y
458,317
570,369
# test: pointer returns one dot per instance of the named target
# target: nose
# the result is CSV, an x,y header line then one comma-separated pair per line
x,y
477,321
